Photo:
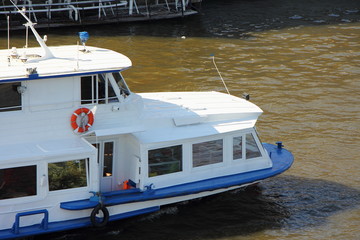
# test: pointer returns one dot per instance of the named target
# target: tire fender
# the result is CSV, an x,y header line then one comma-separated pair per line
x,y
96,221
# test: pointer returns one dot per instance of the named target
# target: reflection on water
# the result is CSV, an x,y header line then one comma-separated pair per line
x,y
300,62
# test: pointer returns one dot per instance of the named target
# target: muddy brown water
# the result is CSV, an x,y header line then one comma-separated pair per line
x,y
300,62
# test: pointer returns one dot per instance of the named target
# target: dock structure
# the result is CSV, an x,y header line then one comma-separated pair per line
x,y
55,13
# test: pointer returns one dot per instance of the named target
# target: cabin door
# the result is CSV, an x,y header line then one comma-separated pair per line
x,y
106,158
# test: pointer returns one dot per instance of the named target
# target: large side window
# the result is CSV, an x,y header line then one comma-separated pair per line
x,y
206,153
165,160
252,149
17,182
10,97
69,174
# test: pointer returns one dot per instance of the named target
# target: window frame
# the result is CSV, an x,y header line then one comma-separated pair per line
x,y
41,181
257,146
243,143
14,108
109,79
211,163
181,161
87,172
121,84
257,141
95,89
105,146
36,183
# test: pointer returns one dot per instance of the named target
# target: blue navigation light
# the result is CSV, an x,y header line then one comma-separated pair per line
x,y
84,36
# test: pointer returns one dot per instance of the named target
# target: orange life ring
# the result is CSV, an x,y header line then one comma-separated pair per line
x,y
81,115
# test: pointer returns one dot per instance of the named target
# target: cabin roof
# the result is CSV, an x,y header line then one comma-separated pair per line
x,y
67,61
201,105
183,115
37,150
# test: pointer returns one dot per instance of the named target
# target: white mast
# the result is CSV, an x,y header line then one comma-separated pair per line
x,y
47,52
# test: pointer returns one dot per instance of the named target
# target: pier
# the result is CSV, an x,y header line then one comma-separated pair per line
x,y
57,13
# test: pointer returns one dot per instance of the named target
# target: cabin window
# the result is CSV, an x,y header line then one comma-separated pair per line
x,y
97,89
237,147
206,153
165,160
124,90
108,159
252,149
69,174
17,182
10,97
87,90
93,89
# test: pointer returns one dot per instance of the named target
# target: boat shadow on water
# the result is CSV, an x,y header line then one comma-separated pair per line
x,y
283,202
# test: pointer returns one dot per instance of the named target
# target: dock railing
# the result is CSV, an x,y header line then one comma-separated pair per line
x,y
73,7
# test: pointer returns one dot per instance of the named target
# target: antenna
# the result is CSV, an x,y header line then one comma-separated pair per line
x,y
8,26
27,37
213,58
47,52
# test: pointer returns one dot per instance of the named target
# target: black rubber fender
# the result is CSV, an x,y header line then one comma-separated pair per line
x,y
96,221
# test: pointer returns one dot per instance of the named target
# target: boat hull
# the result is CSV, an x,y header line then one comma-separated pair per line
x,y
131,203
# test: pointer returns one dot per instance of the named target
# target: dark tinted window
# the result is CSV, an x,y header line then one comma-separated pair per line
x,y
87,91
10,98
17,182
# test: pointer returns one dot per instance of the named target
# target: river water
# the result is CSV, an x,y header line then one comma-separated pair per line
x,y
300,62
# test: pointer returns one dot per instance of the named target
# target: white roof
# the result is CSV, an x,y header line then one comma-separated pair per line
x,y
68,60
179,115
202,106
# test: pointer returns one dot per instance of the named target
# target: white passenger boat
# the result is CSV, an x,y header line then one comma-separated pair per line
x,y
78,148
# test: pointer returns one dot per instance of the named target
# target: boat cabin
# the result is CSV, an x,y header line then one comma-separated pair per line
x,y
158,139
